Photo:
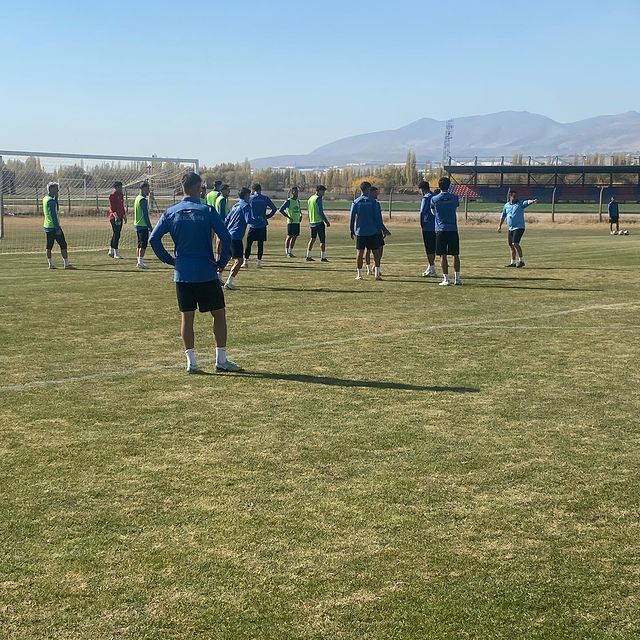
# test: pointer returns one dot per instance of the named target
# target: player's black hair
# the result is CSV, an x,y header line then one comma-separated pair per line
x,y
117,183
321,187
144,184
224,186
244,192
217,184
444,183
257,187
374,188
190,180
365,186
423,184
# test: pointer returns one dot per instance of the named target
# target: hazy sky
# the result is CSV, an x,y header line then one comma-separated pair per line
x,y
224,81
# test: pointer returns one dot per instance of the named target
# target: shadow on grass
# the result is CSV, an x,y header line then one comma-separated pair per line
x,y
349,382
514,286
305,289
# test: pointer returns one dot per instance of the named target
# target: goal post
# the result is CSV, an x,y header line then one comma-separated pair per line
x,y
85,180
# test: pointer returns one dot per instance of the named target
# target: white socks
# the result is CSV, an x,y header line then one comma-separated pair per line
x,y
457,274
376,270
191,357
359,273
110,252
66,262
308,253
323,255
431,269
258,263
141,261
221,355
230,280
445,277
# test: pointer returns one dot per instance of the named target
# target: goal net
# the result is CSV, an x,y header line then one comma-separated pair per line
x,y
85,184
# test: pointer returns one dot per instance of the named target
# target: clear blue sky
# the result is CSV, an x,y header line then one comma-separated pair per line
x,y
274,77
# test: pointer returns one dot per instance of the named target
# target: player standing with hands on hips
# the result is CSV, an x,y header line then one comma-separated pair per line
x,y
190,225
513,213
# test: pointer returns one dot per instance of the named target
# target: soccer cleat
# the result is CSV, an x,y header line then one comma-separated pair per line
x,y
444,283
458,282
613,233
309,259
228,366
378,277
229,285
369,271
359,278
324,260
194,369
142,265
117,256
111,253
291,255
258,264
511,264
52,266
70,267
520,264
245,264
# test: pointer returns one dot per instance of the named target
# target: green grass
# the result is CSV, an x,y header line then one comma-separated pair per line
x,y
401,460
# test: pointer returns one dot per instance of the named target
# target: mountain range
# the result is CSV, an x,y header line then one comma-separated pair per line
x,y
497,134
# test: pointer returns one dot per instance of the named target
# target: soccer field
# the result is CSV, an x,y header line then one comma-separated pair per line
x,y
400,460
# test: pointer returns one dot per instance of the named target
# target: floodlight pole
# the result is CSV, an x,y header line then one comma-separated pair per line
x,y
553,205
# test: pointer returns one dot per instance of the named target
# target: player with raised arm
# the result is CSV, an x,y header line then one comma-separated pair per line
x,y
291,210
318,223
366,227
142,222
236,222
444,207
513,213
52,228
190,225
117,217
613,209
258,222
385,232
428,226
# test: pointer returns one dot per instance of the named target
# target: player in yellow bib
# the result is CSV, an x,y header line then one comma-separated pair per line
x,y
318,223
51,226
292,210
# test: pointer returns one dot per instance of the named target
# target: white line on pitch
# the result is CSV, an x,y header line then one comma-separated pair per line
x,y
498,322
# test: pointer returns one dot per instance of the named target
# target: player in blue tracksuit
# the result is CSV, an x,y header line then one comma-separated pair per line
x,y
236,222
365,225
385,232
258,222
513,213
428,226
614,216
190,225
444,207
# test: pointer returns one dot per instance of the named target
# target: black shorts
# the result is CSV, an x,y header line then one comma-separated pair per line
x,y
515,235
257,235
237,249
369,242
53,237
614,220
447,243
206,296
143,238
293,229
319,232
429,239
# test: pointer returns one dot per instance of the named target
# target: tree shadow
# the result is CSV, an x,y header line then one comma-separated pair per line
x,y
349,382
